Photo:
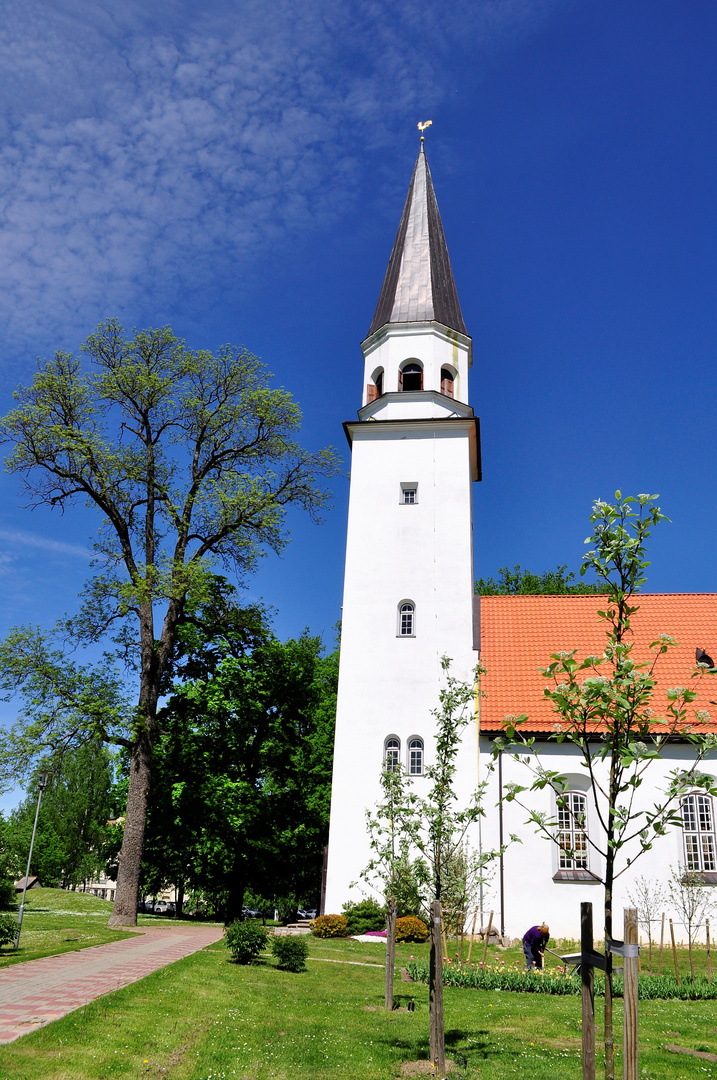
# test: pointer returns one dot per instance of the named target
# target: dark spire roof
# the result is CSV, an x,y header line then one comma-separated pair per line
x,y
419,285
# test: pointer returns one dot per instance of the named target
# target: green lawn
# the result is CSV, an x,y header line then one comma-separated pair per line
x,y
57,920
204,1018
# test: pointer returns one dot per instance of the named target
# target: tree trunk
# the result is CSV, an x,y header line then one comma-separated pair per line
x,y
124,912
609,876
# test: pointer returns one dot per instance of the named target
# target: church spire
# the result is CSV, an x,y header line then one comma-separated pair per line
x,y
419,285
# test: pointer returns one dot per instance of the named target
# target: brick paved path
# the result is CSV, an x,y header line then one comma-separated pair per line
x,y
39,991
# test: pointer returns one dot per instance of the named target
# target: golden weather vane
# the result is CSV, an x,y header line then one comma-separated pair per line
x,y
422,125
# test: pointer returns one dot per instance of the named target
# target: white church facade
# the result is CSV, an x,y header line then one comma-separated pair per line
x,y
409,600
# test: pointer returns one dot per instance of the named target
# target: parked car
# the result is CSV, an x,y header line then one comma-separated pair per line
x,y
301,914
161,907
251,913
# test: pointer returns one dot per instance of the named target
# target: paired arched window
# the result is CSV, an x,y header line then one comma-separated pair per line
x,y
415,757
391,753
447,380
698,832
406,619
410,377
572,831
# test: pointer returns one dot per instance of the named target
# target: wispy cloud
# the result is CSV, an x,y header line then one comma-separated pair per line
x,y
144,152
20,538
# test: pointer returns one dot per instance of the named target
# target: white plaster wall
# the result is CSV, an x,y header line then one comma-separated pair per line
x,y
531,895
389,684
432,344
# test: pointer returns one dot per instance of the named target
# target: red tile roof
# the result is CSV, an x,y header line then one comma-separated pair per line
x,y
519,633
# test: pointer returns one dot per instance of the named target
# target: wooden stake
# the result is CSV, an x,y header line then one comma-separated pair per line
x,y
630,1056
662,941
390,952
674,952
435,991
473,930
443,936
588,1002
487,936
709,952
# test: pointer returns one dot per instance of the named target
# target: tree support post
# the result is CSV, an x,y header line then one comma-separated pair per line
x,y
662,942
390,951
674,953
631,958
473,931
435,991
709,952
487,938
588,993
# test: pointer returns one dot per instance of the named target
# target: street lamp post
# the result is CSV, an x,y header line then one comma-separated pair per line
x,y
43,784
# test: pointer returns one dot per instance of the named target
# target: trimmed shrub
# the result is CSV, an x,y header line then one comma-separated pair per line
x,y
245,940
364,916
330,926
291,951
411,929
8,929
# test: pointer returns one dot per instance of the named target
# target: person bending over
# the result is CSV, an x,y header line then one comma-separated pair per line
x,y
534,942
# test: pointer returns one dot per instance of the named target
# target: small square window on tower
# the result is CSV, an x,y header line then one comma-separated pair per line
x,y
409,492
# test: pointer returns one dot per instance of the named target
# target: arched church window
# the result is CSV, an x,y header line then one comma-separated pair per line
x,y
572,831
410,377
391,753
698,832
415,757
406,619
447,382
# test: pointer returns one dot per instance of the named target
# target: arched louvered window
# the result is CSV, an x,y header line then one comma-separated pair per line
x,y
447,382
410,377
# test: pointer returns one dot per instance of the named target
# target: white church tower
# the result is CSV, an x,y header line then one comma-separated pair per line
x,y
408,590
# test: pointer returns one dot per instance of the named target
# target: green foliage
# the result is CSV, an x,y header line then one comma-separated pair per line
x,y
8,928
291,951
242,793
190,459
72,824
410,928
364,916
245,940
519,582
331,926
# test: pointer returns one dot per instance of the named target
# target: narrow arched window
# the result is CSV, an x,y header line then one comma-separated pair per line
x,y
572,831
410,377
447,382
391,754
415,757
406,619
698,831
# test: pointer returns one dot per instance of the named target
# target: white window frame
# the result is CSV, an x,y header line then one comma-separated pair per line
x,y
392,753
416,747
409,487
572,836
403,621
699,844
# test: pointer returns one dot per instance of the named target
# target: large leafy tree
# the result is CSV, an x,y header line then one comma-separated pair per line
x,y
242,797
189,458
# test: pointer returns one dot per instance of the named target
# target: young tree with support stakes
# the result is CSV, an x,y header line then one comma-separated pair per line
x,y
190,459
432,828
605,706
693,901
648,898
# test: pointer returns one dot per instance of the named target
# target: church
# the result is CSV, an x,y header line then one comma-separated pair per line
x,y
409,600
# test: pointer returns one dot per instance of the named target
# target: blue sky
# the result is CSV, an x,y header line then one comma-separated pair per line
x,y
239,172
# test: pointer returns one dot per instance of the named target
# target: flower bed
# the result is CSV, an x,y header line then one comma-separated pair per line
x,y
560,981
